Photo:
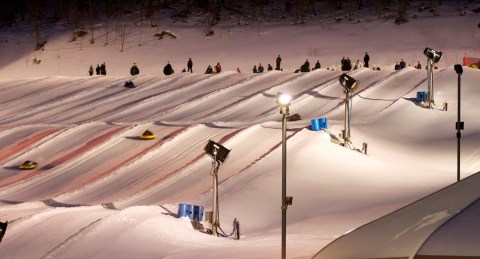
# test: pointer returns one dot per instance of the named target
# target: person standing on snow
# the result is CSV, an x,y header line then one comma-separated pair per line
x,y
97,70
366,59
190,65
278,61
90,70
103,69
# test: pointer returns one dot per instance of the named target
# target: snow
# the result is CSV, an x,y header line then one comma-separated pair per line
x,y
101,192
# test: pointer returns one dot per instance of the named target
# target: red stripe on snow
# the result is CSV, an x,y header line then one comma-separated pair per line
x,y
23,175
24,143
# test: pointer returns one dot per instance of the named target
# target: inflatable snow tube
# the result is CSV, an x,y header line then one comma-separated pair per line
x,y
474,66
147,135
129,84
28,165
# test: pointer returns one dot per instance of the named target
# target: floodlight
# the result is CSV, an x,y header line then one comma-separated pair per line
x,y
458,69
432,54
218,152
283,99
348,82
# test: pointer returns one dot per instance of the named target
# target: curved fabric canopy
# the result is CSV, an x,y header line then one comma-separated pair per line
x,y
444,224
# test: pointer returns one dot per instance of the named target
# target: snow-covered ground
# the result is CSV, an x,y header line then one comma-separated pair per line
x,y
101,192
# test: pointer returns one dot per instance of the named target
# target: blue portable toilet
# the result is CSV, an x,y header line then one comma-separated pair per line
x,y
182,210
197,213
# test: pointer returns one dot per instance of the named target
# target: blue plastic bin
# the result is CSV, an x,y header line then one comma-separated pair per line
x,y
319,124
422,96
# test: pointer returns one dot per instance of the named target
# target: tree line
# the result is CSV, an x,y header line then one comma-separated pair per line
x,y
211,12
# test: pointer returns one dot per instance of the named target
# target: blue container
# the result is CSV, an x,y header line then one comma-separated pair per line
x,y
319,124
182,210
193,212
323,123
197,213
421,96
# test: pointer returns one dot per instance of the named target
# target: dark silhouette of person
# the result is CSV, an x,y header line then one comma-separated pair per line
x,y
366,59
90,70
278,61
103,69
190,65
209,70
402,64
269,67
218,68
305,67
97,70
317,65
255,69
134,70
168,70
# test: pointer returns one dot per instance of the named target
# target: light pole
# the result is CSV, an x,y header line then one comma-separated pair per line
x,y
349,86
459,125
219,154
433,56
283,101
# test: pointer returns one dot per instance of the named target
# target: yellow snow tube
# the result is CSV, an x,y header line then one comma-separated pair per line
x,y
147,135
474,66
28,165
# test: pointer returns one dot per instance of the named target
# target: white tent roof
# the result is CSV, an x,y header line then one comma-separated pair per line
x,y
420,230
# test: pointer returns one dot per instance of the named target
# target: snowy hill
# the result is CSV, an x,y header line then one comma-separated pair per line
x,y
101,192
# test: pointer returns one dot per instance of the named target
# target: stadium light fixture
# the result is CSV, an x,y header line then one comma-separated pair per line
x,y
219,154
349,85
284,100
433,56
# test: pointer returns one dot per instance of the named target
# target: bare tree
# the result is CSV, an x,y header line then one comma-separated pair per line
x,y
36,9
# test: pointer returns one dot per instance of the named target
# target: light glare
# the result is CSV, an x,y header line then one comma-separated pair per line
x,y
284,99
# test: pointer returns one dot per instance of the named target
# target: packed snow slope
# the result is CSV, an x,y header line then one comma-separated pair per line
x,y
101,192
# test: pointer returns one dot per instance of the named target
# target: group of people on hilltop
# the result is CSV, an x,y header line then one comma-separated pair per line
x,y
401,65
215,69
99,70
346,65
260,68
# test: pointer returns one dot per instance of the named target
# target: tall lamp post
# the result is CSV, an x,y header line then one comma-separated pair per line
x,y
349,86
459,125
433,56
219,154
283,100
